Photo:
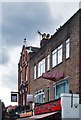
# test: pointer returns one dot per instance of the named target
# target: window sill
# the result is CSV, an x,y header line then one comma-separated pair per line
x,y
57,65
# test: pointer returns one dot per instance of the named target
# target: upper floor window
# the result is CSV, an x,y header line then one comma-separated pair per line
x,y
48,62
67,48
57,56
59,53
35,72
41,67
61,87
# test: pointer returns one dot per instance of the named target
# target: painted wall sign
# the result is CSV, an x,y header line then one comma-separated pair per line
x,y
54,75
48,107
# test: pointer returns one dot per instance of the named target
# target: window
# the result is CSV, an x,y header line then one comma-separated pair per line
x,y
57,56
35,72
59,53
61,87
38,97
48,62
67,48
54,58
41,67
26,73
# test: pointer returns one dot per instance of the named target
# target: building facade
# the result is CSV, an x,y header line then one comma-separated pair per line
x,y
55,67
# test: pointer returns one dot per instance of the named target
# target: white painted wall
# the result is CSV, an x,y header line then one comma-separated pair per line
x,y
70,106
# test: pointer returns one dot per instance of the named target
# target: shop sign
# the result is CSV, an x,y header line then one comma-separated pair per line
x,y
29,98
48,107
26,114
54,75
13,97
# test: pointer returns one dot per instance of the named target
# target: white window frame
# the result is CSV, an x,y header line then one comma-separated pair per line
x,y
38,96
59,53
27,73
41,67
67,48
34,72
60,83
48,62
54,58
57,56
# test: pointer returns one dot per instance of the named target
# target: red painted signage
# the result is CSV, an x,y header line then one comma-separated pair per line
x,y
48,107
53,75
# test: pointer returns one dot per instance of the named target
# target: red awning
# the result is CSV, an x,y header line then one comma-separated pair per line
x,y
54,75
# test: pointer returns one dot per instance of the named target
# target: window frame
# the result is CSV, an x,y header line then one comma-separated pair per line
x,y
48,62
39,97
27,73
61,83
56,57
67,48
41,67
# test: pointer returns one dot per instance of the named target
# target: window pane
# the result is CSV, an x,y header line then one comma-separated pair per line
x,y
38,98
54,58
41,67
68,48
26,73
48,62
60,55
60,88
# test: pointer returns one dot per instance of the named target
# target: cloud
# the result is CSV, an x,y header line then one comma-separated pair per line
x,y
5,56
9,71
23,20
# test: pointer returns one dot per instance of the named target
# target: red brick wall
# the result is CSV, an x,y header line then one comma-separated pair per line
x,y
70,67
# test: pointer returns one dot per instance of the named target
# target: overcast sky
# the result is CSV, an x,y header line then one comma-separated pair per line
x,y
22,20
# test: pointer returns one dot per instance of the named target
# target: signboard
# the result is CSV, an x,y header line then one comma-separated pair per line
x,y
48,107
13,97
29,98
54,75
26,114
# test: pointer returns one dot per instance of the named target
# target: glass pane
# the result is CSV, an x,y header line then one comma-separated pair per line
x,y
60,56
67,50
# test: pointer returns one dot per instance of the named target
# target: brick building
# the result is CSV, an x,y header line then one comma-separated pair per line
x,y
55,67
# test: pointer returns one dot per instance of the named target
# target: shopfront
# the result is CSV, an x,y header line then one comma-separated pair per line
x,y
48,111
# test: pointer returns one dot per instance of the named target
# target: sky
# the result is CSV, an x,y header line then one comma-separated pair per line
x,y
22,19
